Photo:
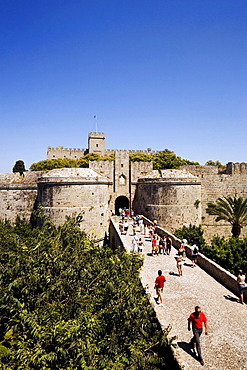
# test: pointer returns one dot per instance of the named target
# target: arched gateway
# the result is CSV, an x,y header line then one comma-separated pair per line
x,y
121,202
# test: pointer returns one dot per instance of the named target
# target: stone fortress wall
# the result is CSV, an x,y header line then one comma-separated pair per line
x,y
216,184
18,194
72,191
96,144
170,198
173,197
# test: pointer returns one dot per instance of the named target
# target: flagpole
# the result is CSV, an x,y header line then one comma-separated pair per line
x,y
96,122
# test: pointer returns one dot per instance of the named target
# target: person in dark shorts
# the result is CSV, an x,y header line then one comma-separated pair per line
x,y
168,245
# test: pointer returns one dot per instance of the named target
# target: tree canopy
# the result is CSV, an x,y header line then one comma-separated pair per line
x,y
166,159
68,304
215,163
232,210
83,162
19,167
193,234
231,254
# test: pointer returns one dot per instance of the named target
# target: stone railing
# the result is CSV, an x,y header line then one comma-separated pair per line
x,y
223,276
114,236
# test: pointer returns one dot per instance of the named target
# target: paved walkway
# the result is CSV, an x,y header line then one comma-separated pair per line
x,y
225,347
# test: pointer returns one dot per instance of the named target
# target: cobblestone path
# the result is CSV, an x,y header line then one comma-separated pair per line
x,y
225,347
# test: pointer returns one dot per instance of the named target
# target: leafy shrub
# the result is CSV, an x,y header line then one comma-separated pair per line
x,y
193,234
68,304
83,162
230,253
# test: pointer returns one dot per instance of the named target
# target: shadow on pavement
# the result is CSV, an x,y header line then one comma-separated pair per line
x,y
186,347
231,298
173,273
188,264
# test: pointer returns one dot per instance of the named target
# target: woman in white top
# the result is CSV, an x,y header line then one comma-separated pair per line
x,y
241,285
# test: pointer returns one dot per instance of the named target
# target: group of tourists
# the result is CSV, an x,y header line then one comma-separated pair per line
x,y
196,320
161,245
136,223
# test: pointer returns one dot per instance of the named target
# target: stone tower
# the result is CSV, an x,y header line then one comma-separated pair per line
x,y
96,143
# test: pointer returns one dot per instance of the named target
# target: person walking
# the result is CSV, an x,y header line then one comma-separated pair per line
x,y
179,260
141,225
140,246
197,319
181,250
194,255
168,245
241,285
161,245
154,246
126,226
159,285
134,243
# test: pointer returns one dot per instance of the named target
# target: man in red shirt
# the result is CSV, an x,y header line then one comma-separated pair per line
x,y
159,285
197,319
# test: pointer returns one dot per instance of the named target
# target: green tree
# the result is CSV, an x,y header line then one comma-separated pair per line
x,y
166,159
66,303
215,163
230,253
140,157
83,162
193,234
19,167
232,210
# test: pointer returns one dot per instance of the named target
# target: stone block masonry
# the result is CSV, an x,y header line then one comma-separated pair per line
x,y
73,191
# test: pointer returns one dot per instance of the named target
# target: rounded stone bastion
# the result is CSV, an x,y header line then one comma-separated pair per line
x,y
72,191
173,197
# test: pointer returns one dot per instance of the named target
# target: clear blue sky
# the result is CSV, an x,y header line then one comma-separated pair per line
x,y
158,73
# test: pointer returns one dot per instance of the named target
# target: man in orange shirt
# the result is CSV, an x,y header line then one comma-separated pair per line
x,y
197,319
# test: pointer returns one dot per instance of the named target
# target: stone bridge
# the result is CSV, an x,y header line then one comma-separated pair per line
x,y
225,347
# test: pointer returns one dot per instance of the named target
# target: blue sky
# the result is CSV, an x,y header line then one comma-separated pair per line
x,y
158,74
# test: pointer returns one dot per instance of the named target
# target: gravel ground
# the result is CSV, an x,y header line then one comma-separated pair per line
x,y
225,347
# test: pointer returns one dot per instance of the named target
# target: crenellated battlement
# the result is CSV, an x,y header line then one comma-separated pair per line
x,y
61,152
236,168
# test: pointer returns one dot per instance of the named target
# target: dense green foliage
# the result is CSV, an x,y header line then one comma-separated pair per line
x,y
193,234
19,167
232,210
83,162
230,253
68,304
215,163
140,157
165,159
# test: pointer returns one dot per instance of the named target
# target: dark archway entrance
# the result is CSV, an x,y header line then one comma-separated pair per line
x,y
121,202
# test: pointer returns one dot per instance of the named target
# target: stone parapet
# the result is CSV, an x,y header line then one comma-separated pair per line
x,y
223,276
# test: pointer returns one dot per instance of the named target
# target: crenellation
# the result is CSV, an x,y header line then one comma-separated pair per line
x,y
173,197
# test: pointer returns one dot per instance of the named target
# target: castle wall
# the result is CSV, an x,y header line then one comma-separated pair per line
x,y
61,152
18,195
172,202
215,185
104,168
65,196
